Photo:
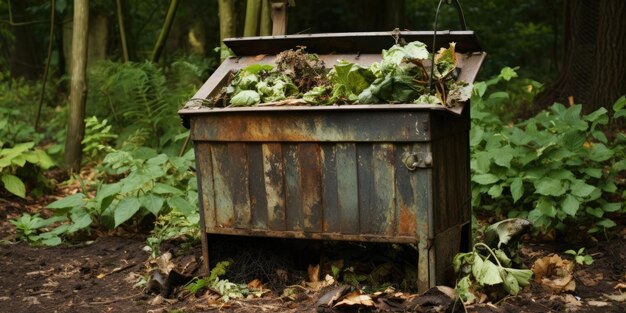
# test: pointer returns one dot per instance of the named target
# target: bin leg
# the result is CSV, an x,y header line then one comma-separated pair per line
x,y
423,268
204,241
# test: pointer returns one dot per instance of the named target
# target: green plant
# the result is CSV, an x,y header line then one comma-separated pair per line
x,y
98,137
478,273
557,168
172,225
28,228
152,184
580,256
140,100
15,158
225,288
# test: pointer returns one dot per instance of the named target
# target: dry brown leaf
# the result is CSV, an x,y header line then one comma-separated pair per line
x,y
255,284
620,286
314,273
617,298
164,263
589,279
286,102
554,273
318,285
356,298
597,303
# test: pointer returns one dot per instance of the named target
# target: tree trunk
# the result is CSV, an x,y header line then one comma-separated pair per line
x,y
25,61
122,27
594,67
167,25
78,86
253,10
98,37
226,10
266,18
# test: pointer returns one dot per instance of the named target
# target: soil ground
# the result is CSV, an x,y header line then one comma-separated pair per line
x,y
100,276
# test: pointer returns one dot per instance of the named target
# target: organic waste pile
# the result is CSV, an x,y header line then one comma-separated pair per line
x,y
300,78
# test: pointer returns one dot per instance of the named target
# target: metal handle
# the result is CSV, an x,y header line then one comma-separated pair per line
x,y
459,11
415,160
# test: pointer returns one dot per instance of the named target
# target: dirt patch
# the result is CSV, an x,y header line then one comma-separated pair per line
x,y
102,275
94,277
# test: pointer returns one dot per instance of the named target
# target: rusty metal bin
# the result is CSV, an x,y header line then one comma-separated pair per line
x,y
370,173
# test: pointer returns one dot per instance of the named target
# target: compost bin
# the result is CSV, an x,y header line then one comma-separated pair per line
x,y
393,173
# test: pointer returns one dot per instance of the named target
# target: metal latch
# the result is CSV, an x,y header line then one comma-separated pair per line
x,y
415,160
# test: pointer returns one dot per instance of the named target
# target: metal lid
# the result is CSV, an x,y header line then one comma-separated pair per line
x,y
356,42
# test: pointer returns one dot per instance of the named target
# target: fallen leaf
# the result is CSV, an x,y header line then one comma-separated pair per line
x,y
356,298
255,283
31,300
164,263
158,300
620,286
314,273
597,303
331,296
616,298
554,274
589,279
101,276
318,285
571,302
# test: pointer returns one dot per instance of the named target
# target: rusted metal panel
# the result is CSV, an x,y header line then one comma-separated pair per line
x,y
406,194
311,182
258,197
330,195
347,188
206,191
224,204
384,175
311,126
293,189
238,179
274,186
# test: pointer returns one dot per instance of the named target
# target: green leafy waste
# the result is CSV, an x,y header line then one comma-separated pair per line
x,y
401,76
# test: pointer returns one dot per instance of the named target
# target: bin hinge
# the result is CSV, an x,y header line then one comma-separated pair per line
x,y
415,160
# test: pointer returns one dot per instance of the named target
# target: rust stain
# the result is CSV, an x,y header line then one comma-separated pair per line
x,y
407,221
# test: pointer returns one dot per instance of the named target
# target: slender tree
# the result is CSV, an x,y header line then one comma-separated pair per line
x,y
122,26
165,31
226,10
266,18
253,10
78,86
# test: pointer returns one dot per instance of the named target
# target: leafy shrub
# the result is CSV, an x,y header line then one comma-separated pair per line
x,y
152,184
16,158
98,137
143,98
557,168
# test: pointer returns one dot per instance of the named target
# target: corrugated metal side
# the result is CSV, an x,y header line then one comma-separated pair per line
x,y
313,190
355,187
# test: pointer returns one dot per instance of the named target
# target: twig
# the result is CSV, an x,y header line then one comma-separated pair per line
x,y
115,300
47,68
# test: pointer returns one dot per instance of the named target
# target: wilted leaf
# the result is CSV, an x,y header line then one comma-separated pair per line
x,y
355,298
245,98
489,274
554,274
502,232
